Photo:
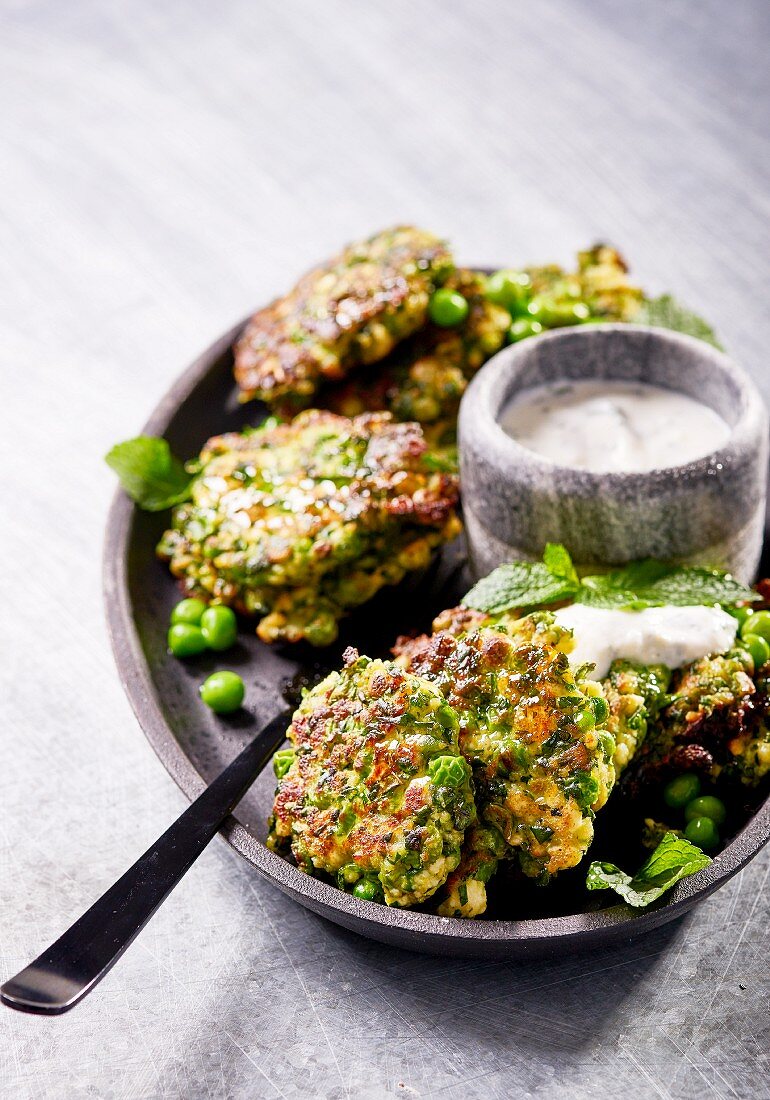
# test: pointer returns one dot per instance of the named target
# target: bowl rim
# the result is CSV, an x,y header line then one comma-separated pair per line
x,y
481,408
406,928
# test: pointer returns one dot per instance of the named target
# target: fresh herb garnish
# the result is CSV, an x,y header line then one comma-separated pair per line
x,y
674,859
652,583
666,312
150,473
556,558
522,584
639,584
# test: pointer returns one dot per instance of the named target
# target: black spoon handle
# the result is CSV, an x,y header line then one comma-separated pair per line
x,y
72,966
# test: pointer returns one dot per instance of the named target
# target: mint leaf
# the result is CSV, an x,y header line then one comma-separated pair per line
x,y
651,583
674,859
150,473
683,587
645,583
666,312
556,558
521,584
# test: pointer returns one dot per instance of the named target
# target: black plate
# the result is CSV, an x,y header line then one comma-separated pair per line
x,y
194,745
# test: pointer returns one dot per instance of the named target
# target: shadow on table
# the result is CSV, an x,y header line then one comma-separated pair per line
x,y
540,1005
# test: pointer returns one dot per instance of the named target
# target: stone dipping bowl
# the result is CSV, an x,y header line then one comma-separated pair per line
x,y
706,512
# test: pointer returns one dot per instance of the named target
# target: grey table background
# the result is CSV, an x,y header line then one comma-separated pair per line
x,y
164,168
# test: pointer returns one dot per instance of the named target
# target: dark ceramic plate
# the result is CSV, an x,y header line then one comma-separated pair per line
x,y
194,745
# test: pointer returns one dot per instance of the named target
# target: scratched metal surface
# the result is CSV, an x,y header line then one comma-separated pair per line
x,y
164,168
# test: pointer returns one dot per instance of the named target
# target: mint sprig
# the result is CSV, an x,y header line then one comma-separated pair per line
x,y
645,583
674,859
667,312
150,473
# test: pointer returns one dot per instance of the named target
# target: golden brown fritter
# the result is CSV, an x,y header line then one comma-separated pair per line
x,y
377,794
350,311
300,522
634,694
425,377
715,722
541,767
600,281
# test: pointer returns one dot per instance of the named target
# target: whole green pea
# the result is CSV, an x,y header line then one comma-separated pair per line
x,y
220,627
188,611
522,328
703,832
585,720
560,314
739,613
681,790
368,889
509,289
223,692
185,640
758,648
757,623
447,308
282,761
448,771
708,805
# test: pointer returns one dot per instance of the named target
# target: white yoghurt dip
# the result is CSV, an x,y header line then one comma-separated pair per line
x,y
671,636
611,426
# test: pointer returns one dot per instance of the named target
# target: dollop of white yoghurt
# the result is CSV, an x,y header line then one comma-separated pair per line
x,y
671,636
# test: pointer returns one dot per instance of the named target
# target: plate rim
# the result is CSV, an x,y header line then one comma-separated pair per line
x,y
403,927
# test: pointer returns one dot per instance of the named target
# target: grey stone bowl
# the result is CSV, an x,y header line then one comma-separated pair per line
x,y
710,511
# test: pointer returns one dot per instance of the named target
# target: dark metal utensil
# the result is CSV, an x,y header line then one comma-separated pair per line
x,y
79,959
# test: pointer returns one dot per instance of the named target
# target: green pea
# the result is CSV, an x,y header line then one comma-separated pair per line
x,y
448,771
509,289
601,709
220,627
282,761
739,613
522,328
447,718
585,720
447,308
681,790
703,832
708,805
367,889
558,314
758,648
188,611
223,692
757,623
185,640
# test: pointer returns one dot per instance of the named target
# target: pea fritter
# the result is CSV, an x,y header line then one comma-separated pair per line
x,y
351,311
297,523
542,764
426,376
600,281
634,694
377,794
715,723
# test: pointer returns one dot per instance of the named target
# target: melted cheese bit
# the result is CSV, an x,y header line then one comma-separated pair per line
x,y
672,636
